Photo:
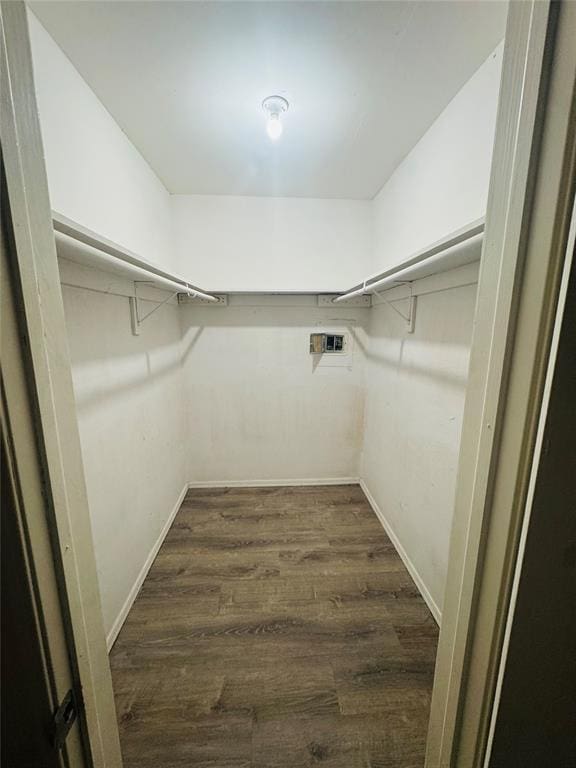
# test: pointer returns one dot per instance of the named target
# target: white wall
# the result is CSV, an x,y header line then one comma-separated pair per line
x,y
415,389
442,184
95,175
275,244
130,404
260,407
416,383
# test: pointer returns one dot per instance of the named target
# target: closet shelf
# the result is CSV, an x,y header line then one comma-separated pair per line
x,y
84,246
463,246
81,245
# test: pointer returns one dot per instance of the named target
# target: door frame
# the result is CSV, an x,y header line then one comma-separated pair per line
x,y
517,314
51,408
518,296
35,653
543,599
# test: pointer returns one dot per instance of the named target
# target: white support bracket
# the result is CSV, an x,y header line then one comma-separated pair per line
x,y
135,318
133,301
410,318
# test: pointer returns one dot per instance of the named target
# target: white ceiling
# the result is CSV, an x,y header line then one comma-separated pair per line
x,y
185,81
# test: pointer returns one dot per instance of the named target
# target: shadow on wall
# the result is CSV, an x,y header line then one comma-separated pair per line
x,y
395,362
108,361
99,326
155,355
154,373
443,318
141,376
270,317
438,349
189,345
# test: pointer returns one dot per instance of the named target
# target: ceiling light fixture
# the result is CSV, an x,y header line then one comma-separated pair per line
x,y
274,106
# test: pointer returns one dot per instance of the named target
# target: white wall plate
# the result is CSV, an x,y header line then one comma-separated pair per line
x,y
326,300
183,298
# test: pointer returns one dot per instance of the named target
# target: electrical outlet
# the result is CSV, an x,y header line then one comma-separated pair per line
x,y
327,343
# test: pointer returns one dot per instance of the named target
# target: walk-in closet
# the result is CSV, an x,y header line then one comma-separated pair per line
x,y
269,221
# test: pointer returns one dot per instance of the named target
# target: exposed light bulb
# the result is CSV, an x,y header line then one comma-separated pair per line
x,y
274,127
274,106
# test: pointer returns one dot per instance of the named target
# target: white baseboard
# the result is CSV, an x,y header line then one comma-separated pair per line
x,y
267,483
430,602
121,618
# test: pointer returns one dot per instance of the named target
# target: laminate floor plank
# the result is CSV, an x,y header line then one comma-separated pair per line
x,y
277,628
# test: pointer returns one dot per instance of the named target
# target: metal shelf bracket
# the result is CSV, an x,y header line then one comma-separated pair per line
x,y
410,318
136,318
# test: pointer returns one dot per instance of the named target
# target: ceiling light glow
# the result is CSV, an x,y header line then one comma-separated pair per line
x,y
274,127
274,106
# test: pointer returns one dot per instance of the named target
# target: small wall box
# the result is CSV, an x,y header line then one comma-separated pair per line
x,y
327,343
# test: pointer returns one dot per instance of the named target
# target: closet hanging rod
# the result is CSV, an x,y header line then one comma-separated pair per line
x,y
100,248
448,253
96,257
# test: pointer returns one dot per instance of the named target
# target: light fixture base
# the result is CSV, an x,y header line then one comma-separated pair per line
x,y
275,105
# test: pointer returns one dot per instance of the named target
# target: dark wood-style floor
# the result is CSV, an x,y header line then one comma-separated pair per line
x,y
277,628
